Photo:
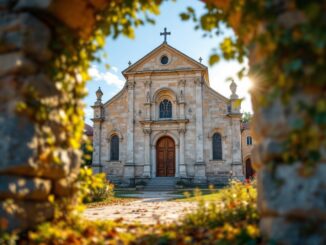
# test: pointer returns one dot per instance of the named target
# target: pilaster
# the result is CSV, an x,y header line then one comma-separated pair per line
x,y
147,104
199,121
129,169
182,166
98,118
236,165
200,167
147,166
181,101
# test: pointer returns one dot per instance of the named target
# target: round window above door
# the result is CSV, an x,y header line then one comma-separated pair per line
x,y
164,60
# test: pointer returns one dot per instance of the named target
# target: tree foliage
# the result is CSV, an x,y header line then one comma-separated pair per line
x,y
285,43
246,117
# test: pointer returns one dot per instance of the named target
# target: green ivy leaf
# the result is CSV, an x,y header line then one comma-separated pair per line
x,y
184,16
214,59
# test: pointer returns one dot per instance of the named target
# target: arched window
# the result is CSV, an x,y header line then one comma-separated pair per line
x,y
217,147
114,151
249,140
166,109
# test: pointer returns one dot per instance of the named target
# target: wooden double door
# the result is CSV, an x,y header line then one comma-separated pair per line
x,y
165,157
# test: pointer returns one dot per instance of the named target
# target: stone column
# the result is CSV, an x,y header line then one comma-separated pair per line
x,y
182,166
289,199
200,167
97,129
129,168
153,162
181,101
236,165
147,103
147,153
177,160
39,155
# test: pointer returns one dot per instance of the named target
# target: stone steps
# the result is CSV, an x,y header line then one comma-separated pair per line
x,y
161,184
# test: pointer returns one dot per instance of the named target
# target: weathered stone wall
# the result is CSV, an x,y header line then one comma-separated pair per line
x,y
246,149
216,120
292,205
26,178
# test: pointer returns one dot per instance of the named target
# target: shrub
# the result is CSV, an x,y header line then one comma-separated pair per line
x,y
94,187
101,194
234,203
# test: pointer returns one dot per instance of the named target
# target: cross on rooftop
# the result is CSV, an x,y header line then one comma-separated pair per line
x,y
165,33
200,59
129,63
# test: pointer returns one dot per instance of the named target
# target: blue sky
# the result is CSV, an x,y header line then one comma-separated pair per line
x,y
183,38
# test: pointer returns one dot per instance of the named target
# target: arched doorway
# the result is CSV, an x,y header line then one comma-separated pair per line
x,y
250,172
165,157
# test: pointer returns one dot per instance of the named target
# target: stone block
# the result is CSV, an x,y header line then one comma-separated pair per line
x,y
293,231
270,121
42,84
75,14
24,188
129,171
21,215
34,4
200,173
25,33
16,134
16,63
64,187
287,193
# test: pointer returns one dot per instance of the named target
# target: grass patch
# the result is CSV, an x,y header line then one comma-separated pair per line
x,y
192,196
119,197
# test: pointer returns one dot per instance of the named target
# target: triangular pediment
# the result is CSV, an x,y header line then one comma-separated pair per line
x,y
176,60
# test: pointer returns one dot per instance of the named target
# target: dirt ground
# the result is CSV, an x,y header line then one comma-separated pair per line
x,y
149,208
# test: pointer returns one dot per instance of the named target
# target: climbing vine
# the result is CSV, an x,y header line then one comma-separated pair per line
x,y
285,43
59,117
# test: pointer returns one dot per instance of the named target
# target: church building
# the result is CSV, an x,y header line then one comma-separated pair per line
x,y
167,122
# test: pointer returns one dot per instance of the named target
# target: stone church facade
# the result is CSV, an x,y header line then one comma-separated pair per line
x,y
167,121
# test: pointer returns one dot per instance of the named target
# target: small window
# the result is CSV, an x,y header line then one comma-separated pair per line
x,y
114,148
217,146
166,109
164,60
229,108
249,140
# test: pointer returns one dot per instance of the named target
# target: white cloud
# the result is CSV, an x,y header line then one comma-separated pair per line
x,y
107,76
115,69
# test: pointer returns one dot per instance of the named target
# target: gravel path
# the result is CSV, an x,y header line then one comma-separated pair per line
x,y
151,208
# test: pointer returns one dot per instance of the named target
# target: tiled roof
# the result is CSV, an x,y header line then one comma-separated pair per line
x,y
244,125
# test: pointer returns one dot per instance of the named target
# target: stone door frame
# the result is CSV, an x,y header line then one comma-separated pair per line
x,y
155,138
174,154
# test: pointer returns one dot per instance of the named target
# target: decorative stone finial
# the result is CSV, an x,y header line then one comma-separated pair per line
x,y
99,94
233,88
